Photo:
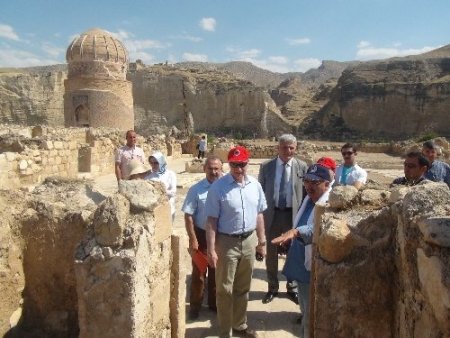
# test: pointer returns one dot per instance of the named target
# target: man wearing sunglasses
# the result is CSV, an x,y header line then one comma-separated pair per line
x,y
415,167
298,263
234,233
350,173
282,181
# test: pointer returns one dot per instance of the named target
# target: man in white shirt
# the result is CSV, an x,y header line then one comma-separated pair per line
x,y
127,153
350,173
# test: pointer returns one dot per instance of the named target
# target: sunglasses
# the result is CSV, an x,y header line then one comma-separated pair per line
x,y
313,182
347,153
237,164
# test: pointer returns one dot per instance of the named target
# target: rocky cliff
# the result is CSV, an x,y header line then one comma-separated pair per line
x,y
31,98
395,98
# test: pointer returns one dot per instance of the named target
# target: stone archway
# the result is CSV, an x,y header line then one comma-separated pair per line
x,y
82,116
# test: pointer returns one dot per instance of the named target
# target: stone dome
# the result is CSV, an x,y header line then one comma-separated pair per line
x,y
97,45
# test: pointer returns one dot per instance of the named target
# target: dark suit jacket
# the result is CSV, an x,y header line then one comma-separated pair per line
x,y
267,179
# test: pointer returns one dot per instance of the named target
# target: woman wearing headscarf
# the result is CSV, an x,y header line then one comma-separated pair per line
x,y
162,174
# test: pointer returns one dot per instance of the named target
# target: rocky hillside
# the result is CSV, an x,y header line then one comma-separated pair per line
x,y
391,99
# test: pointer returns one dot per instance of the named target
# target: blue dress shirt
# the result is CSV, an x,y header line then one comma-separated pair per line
x,y
195,202
235,206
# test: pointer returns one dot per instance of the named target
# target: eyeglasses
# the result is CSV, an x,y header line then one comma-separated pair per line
x,y
347,153
410,165
237,164
313,182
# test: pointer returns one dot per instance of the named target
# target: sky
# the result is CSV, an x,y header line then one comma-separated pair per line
x,y
281,36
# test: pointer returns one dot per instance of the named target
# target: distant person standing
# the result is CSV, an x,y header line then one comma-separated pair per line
x,y
125,154
350,173
414,167
160,173
195,222
202,147
438,171
282,181
235,232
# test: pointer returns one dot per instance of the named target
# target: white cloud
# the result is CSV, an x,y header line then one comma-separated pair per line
x,y
121,34
298,41
7,32
238,54
282,60
52,50
20,58
137,45
143,56
188,37
208,24
195,57
302,65
368,52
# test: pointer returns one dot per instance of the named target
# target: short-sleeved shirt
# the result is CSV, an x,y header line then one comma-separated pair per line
x,y
195,202
125,154
352,175
202,145
235,206
439,172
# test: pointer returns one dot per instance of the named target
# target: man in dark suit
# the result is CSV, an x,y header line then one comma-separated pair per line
x,y
282,181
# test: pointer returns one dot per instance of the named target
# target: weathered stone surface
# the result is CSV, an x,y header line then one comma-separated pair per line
x,y
335,241
434,288
144,195
373,196
397,194
178,285
425,198
342,196
436,230
110,220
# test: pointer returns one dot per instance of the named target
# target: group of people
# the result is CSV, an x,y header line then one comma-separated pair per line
x,y
232,219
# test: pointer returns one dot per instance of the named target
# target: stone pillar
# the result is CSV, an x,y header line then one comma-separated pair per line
x,y
178,284
123,269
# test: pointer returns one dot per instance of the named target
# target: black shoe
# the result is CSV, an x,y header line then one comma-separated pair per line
x,y
213,308
269,296
245,333
299,319
292,295
193,314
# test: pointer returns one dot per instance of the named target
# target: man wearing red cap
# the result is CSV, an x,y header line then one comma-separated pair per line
x,y
235,232
282,181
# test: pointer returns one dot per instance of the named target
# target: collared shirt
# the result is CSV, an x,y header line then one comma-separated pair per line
x,y
195,202
277,181
235,206
439,172
125,154
355,174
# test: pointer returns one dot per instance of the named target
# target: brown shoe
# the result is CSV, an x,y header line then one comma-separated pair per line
x,y
248,333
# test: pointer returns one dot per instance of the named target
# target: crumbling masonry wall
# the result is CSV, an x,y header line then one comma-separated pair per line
x,y
381,266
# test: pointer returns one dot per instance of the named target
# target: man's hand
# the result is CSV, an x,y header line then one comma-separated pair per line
x,y
193,246
261,249
285,238
212,258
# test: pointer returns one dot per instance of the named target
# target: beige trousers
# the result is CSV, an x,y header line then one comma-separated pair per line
x,y
233,278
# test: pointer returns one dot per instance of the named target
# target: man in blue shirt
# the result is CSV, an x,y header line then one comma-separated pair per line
x,y
438,171
195,222
298,263
234,207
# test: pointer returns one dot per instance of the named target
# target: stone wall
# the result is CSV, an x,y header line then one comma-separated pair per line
x,y
29,155
381,264
92,266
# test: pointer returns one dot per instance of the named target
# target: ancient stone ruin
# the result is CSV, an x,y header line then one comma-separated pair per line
x,y
97,93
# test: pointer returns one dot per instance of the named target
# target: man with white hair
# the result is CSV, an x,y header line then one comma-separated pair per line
x,y
282,181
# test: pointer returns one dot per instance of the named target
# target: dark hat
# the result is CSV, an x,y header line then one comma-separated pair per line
x,y
318,172
238,154
327,162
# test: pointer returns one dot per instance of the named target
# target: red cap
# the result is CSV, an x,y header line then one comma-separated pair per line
x,y
238,154
327,162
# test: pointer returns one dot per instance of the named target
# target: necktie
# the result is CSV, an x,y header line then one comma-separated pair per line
x,y
282,191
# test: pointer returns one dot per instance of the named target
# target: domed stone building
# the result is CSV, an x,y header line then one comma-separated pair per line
x,y
97,93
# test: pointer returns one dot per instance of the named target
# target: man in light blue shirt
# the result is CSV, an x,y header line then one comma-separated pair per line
x,y
438,171
234,208
195,222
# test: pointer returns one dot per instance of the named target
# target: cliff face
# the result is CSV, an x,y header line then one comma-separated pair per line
x,y
396,98
32,98
217,101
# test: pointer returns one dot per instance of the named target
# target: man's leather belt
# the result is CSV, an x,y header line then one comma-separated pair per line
x,y
242,235
283,209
